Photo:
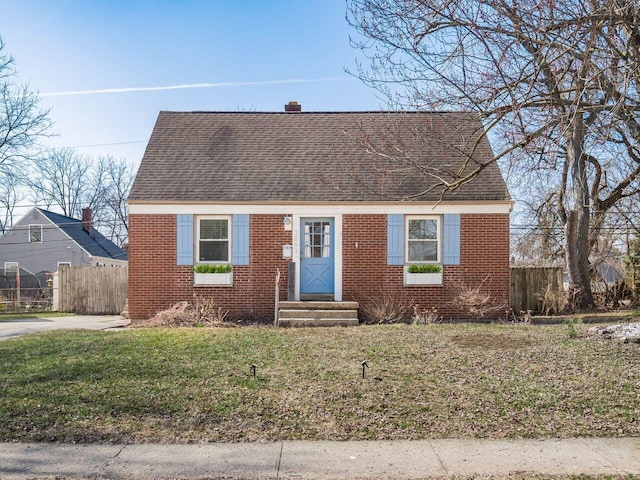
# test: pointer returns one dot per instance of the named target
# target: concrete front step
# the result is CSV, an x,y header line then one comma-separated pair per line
x,y
317,322
307,305
319,314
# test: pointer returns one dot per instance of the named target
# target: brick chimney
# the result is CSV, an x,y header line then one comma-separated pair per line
x,y
87,219
292,107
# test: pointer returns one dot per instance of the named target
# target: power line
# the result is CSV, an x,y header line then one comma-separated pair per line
x,y
611,228
104,144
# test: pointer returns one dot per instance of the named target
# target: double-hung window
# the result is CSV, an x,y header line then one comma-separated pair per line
x,y
423,239
35,233
213,241
10,268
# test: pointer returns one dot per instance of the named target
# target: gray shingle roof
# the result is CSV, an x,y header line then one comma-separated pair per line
x,y
312,157
95,243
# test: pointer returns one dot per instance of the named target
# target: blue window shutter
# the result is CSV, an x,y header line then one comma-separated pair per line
x,y
240,254
395,239
452,239
185,240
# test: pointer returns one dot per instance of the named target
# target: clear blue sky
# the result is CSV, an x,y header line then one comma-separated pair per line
x,y
251,54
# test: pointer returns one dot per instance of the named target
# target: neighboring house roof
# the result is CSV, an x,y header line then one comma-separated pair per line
x,y
608,273
312,157
96,244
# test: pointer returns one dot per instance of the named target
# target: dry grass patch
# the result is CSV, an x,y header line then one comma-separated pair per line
x,y
427,381
493,341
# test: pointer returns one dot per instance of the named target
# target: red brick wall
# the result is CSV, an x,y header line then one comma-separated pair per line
x,y
484,258
156,281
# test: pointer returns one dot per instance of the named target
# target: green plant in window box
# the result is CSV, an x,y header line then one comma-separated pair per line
x,y
423,274
208,268
424,269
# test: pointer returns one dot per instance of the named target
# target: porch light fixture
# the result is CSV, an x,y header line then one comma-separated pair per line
x,y
287,223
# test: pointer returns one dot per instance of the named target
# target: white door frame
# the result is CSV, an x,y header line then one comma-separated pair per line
x,y
337,272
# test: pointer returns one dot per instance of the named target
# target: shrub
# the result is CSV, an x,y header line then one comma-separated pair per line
x,y
475,300
424,269
424,316
554,300
385,307
208,268
202,312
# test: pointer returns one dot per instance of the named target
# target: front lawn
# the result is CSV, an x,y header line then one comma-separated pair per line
x,y
430,381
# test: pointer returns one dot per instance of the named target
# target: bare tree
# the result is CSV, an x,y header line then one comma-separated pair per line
x,y
555,81
22,122
60,178
114,215
68,182
10,195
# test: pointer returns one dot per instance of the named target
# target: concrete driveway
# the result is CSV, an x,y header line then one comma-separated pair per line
x,y
24,326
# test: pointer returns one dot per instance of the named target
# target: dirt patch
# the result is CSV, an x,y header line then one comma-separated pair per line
x,y
492,341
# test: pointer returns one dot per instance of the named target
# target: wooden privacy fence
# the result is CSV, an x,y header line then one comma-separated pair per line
x,y
92,290
529,284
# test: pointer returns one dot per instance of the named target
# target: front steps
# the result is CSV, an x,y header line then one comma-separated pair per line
x,y
317,314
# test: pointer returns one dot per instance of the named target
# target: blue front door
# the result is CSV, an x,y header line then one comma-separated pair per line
x,y
316,255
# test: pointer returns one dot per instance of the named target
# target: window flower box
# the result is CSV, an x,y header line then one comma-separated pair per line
x,y
213,278
213,275
423,275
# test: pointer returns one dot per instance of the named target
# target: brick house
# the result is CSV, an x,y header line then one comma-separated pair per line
x,y
321,191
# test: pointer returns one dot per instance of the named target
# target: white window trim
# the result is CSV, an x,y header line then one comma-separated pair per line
x,y
41,232
64,264
438,220
12,264
196,250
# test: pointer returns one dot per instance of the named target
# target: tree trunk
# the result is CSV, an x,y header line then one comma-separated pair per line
x,y
577,245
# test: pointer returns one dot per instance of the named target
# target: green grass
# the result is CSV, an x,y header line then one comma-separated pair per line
x,y
431,381
31,314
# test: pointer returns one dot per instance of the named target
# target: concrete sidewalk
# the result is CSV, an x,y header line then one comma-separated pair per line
x,y
314,460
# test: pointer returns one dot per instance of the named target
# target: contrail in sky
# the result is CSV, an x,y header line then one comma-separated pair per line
x,y
192,85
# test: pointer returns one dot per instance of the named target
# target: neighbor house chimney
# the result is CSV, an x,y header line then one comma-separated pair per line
x,y
87,219
292,107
